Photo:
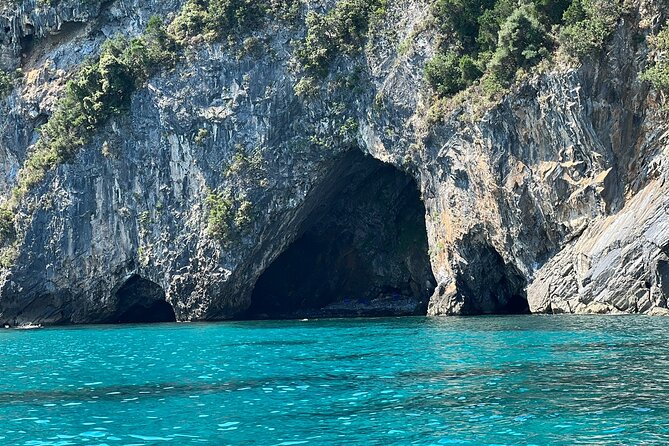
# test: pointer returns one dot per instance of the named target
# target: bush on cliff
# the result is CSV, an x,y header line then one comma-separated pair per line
x,y
493,36
216,19
228,216
460,18
658,71
522,43
101,89
443,74
488,36
449,73
6,83
342,30
588,24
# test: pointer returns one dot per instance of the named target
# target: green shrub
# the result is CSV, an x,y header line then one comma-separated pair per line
x,y
589,23
306,87
228,216
522,43
285,10
7,230
219,220
552,10
469,70
191,21
201,136
575,13
216,19
489,23
491,85
342,30
658,72
154,49
243,215
449,73
6,83
443,74
461,18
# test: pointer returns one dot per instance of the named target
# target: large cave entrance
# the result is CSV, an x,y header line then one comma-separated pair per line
x,y
142,301
361,249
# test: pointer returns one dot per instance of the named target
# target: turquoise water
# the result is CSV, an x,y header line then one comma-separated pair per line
x,y
453,381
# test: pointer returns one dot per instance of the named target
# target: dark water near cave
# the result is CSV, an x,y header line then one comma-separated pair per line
x,y
454,381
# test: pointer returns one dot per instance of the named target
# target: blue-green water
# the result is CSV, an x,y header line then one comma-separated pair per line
x,y
462,381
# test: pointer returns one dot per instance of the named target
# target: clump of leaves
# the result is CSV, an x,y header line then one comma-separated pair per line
x,y
216,19
488,37
658,71
228,216
588,24
522,43
6,83
342,30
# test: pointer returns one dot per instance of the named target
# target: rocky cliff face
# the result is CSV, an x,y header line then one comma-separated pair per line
x,y
552,200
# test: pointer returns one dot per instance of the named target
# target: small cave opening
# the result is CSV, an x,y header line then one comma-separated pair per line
x,y
27,39
488,284
142,301
360,249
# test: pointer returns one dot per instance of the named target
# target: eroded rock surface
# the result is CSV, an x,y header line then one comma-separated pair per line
x,y
553,200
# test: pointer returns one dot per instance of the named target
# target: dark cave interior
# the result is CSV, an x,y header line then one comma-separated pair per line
x,y
142,301
361,249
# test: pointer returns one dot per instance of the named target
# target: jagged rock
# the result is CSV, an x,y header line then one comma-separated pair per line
x,y
658,311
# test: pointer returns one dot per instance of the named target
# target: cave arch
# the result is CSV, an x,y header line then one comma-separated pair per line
x,y
360,248
142,301
487,283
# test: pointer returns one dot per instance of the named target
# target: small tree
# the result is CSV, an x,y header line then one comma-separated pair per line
x,y
490,22
469,70
443,74
575,13
521,44
588,25
461,17
553,10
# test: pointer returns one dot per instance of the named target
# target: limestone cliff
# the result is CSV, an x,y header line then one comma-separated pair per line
x,y
550,199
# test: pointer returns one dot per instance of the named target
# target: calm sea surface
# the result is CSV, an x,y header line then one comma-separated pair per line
x,y
454,381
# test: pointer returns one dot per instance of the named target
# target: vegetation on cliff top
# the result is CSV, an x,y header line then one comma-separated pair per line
x,y
589,24
493,41
340,31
